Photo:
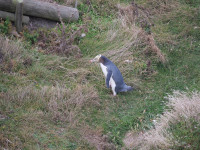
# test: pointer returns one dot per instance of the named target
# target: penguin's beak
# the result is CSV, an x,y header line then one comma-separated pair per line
x,y
93,60
96,59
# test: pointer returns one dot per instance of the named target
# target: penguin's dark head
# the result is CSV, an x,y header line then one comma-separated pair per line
x,y
98,58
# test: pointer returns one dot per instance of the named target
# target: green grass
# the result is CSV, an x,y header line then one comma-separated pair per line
x,y
187,135
29,125
181,73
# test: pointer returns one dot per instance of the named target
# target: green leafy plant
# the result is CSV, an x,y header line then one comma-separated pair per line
x,y
31,37
5,26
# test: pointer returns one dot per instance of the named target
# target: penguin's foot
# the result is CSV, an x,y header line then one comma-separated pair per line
x,y
113,95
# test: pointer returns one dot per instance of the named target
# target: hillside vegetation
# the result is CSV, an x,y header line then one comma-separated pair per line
x,y
51,97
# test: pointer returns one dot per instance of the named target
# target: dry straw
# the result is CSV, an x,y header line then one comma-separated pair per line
x,y
61,103
128,34
182,107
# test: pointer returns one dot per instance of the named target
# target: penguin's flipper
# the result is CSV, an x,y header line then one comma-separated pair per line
x,y
108,77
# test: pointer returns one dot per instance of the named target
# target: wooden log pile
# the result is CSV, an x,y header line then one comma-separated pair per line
x,y
11,17
36,9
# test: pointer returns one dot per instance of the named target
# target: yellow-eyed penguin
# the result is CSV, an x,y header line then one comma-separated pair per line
x,y
112,74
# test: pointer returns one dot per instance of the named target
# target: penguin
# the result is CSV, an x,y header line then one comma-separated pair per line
x,y
112,74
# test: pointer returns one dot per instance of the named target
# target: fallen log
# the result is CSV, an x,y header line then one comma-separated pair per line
x,y
11,17
42,10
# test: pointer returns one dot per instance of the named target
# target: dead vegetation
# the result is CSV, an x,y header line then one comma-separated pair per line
x,y
158,7
63,2
10,54
97,139
61,43
8,49
136,36
61,103
79,75
80,98
182,107
56,104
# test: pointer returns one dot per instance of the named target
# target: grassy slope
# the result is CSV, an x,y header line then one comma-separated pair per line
x,y
26,128
181,73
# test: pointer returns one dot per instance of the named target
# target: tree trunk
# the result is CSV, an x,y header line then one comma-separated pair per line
x,y
11,17
42,10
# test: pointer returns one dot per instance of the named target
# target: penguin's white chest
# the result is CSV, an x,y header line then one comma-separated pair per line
x,y
105,72
104,69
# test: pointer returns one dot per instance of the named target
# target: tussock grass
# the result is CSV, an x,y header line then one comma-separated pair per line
x,y
40,105
125,31
13,56
126,28
9,49
183,107
62,103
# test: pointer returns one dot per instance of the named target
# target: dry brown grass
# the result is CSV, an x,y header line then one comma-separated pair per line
x,y
61,103
61,43
43,108
9,49
132,35
64,2
77,99
154,48
125,30
97,139
5,143
79,75
10,54
158,7
183,107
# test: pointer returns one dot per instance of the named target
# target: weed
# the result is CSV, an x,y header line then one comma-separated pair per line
x,y
5,26
31,37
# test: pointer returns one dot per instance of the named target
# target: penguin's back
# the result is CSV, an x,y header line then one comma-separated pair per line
x,y
116,76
